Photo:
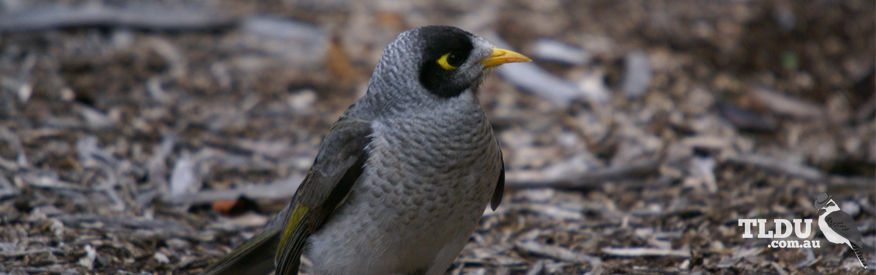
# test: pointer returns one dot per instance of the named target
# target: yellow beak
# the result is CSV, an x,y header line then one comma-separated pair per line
x,y
502,56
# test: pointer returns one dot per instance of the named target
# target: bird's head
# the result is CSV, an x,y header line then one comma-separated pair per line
x,y
824,203
440,60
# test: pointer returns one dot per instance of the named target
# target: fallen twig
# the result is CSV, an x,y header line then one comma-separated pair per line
x,y
559,253
536,268
134,227
553,50
549,211
837,183
776,165
278,190
786,105
122,222
29,252
48,180
589,178
150,17
533,79
645,251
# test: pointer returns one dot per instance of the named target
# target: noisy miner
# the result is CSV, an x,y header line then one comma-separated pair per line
x,y
403,176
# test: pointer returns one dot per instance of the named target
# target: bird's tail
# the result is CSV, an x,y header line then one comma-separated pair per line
x,y
255,256
857,249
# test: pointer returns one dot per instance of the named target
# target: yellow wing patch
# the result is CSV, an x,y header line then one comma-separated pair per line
x,y
294,221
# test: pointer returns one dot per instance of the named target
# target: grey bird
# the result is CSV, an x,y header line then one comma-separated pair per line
x,y
404,175
838,227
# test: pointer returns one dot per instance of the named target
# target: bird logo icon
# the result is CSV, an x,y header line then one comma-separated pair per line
x,y
838,227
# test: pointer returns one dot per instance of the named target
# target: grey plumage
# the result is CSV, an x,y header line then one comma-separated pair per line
x,y
404,175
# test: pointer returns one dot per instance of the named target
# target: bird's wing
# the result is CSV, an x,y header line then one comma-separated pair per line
x,y
500,186
337,166
335,170
844,225
251,257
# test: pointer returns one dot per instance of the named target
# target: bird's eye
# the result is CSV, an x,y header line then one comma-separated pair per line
x,y
450,61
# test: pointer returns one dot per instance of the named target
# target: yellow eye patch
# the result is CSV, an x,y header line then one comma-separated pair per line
x,y
442,61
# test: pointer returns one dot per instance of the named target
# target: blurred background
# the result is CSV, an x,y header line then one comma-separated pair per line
x,y
154,136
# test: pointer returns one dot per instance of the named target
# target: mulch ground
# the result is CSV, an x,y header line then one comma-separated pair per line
x,y
135,142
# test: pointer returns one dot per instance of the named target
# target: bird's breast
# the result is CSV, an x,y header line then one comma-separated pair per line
x,y
426,181
422,170
433,151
